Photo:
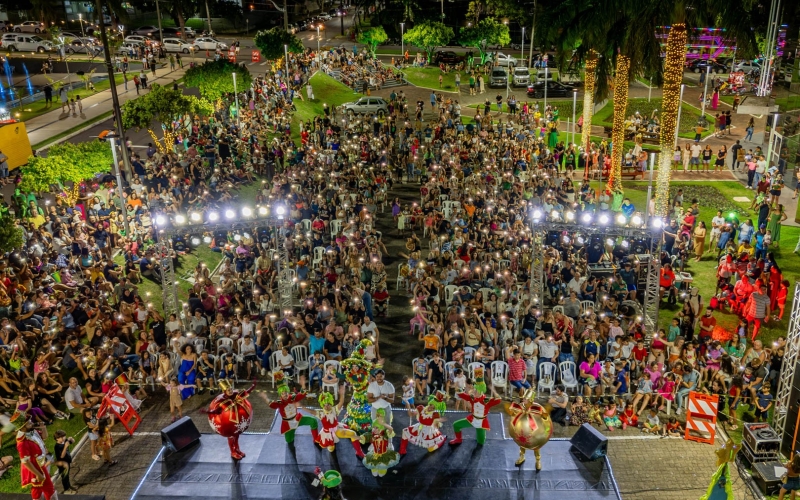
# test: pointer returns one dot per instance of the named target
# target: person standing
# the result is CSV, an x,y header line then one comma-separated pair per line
x,y
62,94
48,95
380,395
458,82
757,308
32,451
63,459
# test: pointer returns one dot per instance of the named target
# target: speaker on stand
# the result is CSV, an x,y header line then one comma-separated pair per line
x,y
589,442
180,435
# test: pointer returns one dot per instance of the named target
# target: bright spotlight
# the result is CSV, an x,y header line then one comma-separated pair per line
x,y
537,214
554,214
604,219
625,244
213,216
247,212
196,217
621,220
280,210
636,220
262,211
180,219
237,237
586,218
657,223
230,214
160,220
570,216
195,241
609,242
206,239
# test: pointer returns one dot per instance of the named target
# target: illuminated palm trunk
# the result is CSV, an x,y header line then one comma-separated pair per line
x,y
618,132
588,99
673,73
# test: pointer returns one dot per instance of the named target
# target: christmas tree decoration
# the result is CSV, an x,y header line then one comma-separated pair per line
x,y
356,370
588,98
618,130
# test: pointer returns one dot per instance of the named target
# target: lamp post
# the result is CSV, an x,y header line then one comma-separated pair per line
x,y
678,125
705,89
545,85
402,42
522,51
113,139
80,20
236,98
771,139
208,17
286,56
160,31
64,50
574,103
533,28
318,42
442,10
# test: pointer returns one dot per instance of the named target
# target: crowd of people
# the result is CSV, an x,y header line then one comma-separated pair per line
x,y
73,318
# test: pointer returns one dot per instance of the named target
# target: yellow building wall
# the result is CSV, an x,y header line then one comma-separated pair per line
x,y
14,143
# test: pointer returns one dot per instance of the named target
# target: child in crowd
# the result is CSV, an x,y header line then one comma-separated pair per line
x,y
610,418
672,428
90,420
460,384
408,395
666,392
228,364
764,401
579,414
175,399
63,459
629,418
596,414
652,424
315,369
330,377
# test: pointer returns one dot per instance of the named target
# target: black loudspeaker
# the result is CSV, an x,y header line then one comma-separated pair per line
x,y
764,475
180,435
589,442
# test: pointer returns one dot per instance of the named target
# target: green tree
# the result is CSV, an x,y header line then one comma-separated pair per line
x,y
66,163
215,78
428,35
10,234
372,37
486,32
160,104
272,41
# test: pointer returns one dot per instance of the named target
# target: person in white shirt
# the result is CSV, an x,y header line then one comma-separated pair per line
x,y
716,227
369,328
380,394
248,326
173,324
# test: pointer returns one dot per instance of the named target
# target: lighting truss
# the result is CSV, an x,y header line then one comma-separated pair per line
x,y
790,359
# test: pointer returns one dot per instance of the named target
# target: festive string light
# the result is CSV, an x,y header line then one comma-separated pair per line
x,y
588,97
673,74
618,132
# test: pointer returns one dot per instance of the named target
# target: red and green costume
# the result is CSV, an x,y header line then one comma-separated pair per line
x,y
478,419
291,418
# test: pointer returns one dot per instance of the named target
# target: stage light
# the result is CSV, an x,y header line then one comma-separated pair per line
x,y
609,242
565,239
180,219
555,215
230,214
604,220
179,243
570,216
195,241
280,210
636,220
621,220
657,223
625,244
206,239
247,212
537,215
579,240
263,212
586,218
237,237
160,220
213,216
196,216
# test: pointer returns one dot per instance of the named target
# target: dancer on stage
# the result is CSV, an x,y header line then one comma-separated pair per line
x,y
332,430
30,445
331,482
478,419
230,414
424,433
380,457
530,427
287,407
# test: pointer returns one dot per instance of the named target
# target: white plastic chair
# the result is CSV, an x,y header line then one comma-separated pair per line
x,y
471,369
547,377
336,226
504,264
274,365
450,293
199,344
334,388
319,255
300,355
469,354
225,342
458,264
401,280
558,309
500,375
586,305
306,224
485,291
568,379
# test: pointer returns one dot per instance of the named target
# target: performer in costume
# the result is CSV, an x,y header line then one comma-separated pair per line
x,y
425,433
530,427
230,414
332,430
380,456
287,407
331,484
32,455
437,399
478,419
720,487
479,383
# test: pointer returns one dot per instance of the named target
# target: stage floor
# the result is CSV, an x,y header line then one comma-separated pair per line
x,y
273,470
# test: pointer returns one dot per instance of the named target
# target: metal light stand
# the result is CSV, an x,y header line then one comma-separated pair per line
x,y
790,359
169,285
651,292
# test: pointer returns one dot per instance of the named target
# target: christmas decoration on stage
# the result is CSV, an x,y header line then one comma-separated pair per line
x,y
287,406
331,482
720,487
230,414
588,99
437,400
380,456
425,433
530,426
332,430
480,410
673,75
618,130
479,383
356,370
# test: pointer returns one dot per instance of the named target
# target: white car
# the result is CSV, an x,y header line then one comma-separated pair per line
x,y
29,27
208,43
28,43
141,40
176,45
83,46
502,59
748,66
325,16
367,105
128,48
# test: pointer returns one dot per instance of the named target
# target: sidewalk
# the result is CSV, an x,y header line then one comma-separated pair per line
x,y
57,122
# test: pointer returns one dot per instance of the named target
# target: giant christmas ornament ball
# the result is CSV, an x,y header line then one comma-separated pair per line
x,y
531,429
235,417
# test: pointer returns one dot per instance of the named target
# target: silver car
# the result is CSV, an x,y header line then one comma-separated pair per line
x,y
498,78
521,76
83,46
367,105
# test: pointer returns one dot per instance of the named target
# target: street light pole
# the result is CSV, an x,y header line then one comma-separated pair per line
x,y
113,138
80,20
545,86
160,31
208,17
574,103
318,42
772,132
533,28
522,52
64,50
705,89
442,10
678,125
402,42
286,56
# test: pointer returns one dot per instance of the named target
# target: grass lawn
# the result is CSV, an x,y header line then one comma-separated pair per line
x,y
428,77
335,94
564,105
39,108
788,103
704,272
91,121
689,115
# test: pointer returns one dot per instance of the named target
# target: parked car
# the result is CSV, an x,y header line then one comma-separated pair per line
x,y
29,27
367,105
703,65
521,76
7,37
325,16
141,40
208,43
83,46
748,66
502,59
447,57
498,78
554,89
176,45
3,26
28,43
128,48
145,31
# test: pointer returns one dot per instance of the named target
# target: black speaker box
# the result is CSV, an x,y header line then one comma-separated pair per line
x,y
764,475
589,442
180,435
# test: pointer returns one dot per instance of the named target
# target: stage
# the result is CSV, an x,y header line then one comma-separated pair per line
x,y
273,470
